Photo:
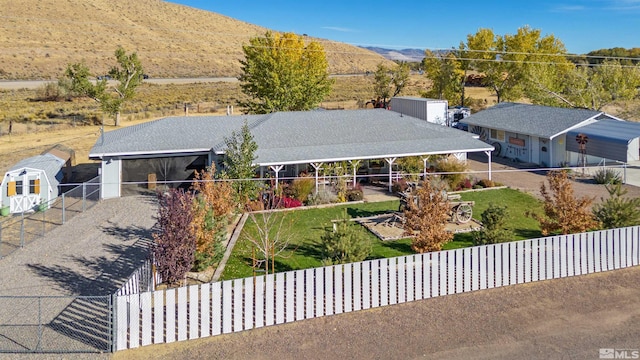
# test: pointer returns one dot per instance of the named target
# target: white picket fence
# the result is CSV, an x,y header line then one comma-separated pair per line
x,y
236,305
142,280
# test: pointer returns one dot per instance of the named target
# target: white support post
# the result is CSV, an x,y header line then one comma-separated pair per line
x,y
354,165
317,166
390,162
489,157
424,162
276,169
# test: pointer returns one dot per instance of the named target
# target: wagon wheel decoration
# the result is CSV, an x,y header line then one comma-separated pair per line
x,y
463,213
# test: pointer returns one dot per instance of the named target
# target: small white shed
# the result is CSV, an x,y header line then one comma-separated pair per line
x,y
31,182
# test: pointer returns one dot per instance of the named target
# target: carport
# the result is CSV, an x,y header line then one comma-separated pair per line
x,y
607,139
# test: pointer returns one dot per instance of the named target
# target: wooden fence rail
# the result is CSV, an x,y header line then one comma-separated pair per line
x,y
230,306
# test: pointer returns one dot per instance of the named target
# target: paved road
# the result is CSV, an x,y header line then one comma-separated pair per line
x,y
34,84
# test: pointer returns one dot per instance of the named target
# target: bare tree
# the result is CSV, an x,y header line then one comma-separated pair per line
x,y
271,234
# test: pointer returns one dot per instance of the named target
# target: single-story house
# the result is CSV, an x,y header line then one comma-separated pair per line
x,y
553,137
170,149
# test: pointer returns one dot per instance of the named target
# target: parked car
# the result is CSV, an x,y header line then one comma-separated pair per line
x,y
460,125
104,77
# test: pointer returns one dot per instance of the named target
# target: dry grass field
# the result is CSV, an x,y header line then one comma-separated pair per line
x,y
39,38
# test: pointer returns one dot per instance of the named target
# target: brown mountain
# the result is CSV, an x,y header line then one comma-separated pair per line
x,y
39,38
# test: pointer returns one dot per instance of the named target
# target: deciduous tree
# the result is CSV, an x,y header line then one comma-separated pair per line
x,y
506,60
270,232
238,164
174,242
213,208
563,212
127,72
388,83
426,218
281,73
446,75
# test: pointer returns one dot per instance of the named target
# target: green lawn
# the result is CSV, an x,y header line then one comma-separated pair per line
x,y
308,226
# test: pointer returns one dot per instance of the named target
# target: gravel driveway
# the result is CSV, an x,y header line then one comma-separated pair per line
x,y
92,254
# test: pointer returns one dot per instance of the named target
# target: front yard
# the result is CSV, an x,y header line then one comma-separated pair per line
x,y
308,225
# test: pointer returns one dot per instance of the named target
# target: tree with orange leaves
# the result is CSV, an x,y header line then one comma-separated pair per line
x,y
426,216
213,208
563,212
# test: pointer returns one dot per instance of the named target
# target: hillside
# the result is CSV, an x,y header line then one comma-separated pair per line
x,y
40,37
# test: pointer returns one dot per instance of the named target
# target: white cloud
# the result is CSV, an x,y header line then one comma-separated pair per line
x,y
340,29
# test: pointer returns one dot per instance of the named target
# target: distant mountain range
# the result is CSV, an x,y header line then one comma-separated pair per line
x,y
409,55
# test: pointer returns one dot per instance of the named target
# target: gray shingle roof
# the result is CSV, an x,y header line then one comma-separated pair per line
x,y
294,137
50,163
542,121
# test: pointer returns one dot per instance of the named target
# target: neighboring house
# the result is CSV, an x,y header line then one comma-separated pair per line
x,y
170,149
432,110
552,137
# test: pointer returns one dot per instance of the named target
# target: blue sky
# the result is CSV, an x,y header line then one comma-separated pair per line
x,y
582,26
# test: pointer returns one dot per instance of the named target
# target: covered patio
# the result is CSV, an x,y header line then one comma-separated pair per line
x,y
286,141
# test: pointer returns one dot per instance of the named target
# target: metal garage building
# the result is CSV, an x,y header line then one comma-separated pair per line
x,y
547,136
607,139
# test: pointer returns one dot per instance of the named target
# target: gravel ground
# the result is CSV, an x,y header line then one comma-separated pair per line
x,y
510,174
91,255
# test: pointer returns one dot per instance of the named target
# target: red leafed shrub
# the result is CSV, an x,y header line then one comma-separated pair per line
x,y
399,186
466,184
287,202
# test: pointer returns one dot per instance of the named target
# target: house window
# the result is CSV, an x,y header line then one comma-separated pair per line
x,y
497,134
34,186
19,187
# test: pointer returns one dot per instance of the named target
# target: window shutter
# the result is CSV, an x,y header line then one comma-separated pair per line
x,y
36,186
11,188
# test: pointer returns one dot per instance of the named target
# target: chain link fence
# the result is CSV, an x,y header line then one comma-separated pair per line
x,y
56,324
20,229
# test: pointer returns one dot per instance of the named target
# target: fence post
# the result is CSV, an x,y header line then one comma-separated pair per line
x,y
44,218
112,323
84,196
63,214
39,345
22,230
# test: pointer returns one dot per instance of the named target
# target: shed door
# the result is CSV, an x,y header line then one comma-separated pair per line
x,y
23,192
